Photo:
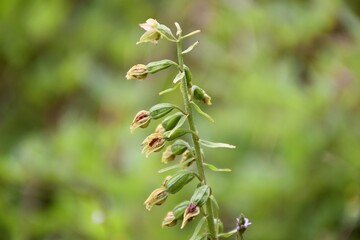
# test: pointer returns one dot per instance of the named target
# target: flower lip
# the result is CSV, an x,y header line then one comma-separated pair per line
x,y
149,25
191,211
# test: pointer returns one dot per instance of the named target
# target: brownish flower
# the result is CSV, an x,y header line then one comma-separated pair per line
x,y
190,212
142,119
153,143
138,71
157,197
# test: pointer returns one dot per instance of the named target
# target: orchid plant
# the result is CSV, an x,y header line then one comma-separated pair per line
x,y
202,204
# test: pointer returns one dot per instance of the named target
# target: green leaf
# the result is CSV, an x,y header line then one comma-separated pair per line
x,y
190,48
198,229
175,166
215,145
164,30
216,205
169,89
178,77
198,109
228,234
215,169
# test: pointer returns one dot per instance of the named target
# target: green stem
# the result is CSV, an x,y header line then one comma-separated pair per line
x,y
195,138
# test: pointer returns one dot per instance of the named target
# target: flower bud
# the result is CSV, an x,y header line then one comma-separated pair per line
x,y
152,34
201,195
175,214
190,212
161,109
177,148
157,197
153,143
142,119
199,94
172,135
139,71
188,76
178,181
157,66
179,209
171,121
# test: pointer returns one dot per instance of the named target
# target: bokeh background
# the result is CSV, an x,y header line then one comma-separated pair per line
x,y
284,80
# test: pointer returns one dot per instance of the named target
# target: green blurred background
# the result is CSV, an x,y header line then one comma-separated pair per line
x,y
284,80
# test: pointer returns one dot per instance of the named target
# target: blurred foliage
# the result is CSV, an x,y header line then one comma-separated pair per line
x,y
284,78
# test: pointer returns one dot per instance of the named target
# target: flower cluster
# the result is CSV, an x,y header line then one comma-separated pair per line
x,y
168,136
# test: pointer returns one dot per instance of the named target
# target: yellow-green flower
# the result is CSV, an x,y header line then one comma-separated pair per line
x,y
157,197
152,34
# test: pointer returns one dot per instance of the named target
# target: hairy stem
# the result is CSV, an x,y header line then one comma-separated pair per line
x,y
195,138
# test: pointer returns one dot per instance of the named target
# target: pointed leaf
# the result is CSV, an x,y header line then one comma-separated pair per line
x,y
175,166
228,234
198,109
190,48
198,228
215,169
164,30
215,145
169,90
216,205
178,29
178,77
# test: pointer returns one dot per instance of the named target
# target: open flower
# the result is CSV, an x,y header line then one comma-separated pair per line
x,y
152,34
157,197
242,223
138,71
142,119
190,212
153,143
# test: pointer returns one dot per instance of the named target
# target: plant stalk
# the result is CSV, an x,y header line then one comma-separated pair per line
x,y
195,138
